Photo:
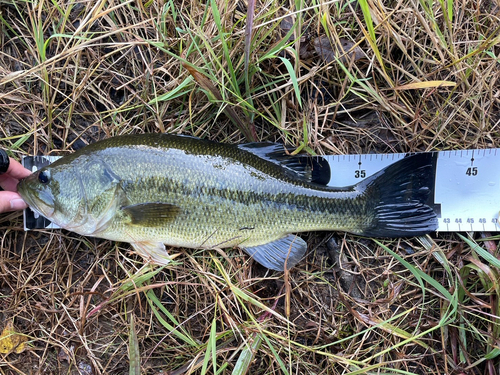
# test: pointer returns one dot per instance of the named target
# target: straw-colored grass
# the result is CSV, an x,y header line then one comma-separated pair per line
x,y
426,76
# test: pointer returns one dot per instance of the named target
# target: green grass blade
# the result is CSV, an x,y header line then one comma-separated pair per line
x,y
247,355
225,47
371,37
276,355
481,252
365,8
175,93
421,276
430,245
495,352
133,349
293,77
211,351
177,329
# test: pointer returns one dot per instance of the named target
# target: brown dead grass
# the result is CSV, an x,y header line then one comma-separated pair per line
x,y
74,72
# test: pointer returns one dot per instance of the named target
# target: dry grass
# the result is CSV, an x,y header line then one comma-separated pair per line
x,y
72,72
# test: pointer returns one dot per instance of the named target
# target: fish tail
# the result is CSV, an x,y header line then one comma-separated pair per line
x,y
403,195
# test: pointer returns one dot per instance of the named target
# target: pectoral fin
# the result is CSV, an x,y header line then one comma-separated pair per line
x,y
155,214
152,252
274,255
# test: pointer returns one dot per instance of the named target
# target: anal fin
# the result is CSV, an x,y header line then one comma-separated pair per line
x,y
152,252
274,255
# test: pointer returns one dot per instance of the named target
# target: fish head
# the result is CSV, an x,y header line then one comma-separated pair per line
x,y
78,195
53,193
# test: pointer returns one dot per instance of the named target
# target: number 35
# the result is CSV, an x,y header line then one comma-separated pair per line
x,y
360,173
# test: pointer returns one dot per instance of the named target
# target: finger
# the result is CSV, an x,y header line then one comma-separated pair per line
x,y
8,183
16,170
11,201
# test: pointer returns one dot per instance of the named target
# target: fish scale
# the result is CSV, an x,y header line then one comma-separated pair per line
x,y
156,189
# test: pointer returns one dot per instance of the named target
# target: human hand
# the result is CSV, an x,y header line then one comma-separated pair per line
x,y
10,200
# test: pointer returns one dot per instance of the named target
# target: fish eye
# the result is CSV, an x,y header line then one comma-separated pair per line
x,y
43,177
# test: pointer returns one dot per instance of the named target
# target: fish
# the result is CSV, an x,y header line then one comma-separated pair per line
x,y
152,190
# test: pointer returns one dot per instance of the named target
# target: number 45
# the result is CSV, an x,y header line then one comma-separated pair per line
x,y
471,171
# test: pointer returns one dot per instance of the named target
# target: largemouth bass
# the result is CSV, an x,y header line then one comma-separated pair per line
x,y
156,189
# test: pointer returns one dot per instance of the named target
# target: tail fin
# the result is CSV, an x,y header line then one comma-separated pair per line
x,y
405,197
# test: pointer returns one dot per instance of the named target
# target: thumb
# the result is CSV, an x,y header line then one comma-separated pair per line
x,y
11,201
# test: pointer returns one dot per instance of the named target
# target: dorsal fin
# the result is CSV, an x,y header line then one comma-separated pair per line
x,y
320,168
313,169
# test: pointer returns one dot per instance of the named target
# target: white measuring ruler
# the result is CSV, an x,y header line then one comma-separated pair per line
x,y
466,191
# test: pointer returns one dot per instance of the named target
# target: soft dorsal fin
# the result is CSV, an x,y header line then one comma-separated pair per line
x,y
313,169
320,169
274,255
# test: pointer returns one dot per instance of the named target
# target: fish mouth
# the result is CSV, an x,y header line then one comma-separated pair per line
x,y
22,192
34,203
